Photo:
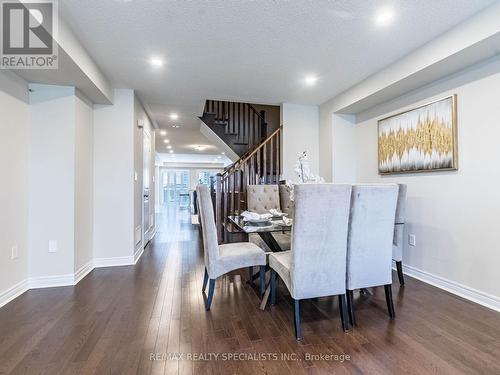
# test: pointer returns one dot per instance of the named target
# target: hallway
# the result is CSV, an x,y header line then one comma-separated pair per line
x,y
116,319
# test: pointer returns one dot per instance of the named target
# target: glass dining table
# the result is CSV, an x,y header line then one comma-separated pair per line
x,y
265,230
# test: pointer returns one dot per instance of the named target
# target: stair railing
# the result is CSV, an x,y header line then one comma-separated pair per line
x,y
260,166
240,119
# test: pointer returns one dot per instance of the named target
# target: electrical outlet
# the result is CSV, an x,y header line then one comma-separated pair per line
x,y
412,240
52,246
14,254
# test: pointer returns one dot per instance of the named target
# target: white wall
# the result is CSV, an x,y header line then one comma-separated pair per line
x,y
14,154
140,114
454,215
69,177
52,180
343,163
325,133
84,181
300,133
61,182
114,179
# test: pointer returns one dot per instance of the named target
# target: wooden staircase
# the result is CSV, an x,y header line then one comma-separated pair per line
x,y
239,125
259,165
244,130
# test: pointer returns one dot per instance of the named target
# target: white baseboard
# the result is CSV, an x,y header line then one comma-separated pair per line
x,y
51,281
138,254
83,271
70,279
13,292
148,236
453,287
114,262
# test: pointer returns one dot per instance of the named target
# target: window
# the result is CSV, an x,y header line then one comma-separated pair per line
x,y
204,176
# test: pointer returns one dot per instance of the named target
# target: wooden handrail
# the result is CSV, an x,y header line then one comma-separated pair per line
x,y
251,152
261,165
261,145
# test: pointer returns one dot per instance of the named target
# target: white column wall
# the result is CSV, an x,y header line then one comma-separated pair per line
x,y
84,182
52,180
14,161
114,180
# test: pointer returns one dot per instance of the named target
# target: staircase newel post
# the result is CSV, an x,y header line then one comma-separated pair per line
x,y
218,207
263,125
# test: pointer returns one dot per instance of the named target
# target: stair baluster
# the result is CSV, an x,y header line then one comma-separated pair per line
x,y
261,165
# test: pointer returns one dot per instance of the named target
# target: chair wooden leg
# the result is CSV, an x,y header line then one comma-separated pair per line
x,y
399,267
211,287
250,276
205,280
350,307
262,272
343,312
296,313
273,287
388,299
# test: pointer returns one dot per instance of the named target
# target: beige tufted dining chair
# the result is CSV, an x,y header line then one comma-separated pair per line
x,y
261,199
286,202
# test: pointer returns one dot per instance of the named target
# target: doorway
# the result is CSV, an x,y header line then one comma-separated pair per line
x,y
147,203
175,188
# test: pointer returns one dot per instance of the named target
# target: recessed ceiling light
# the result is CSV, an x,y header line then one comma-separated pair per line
x,y
171,151
174,116
155,61
223,153
199,147
311,80
176,126
163,132
384,17
169,147
166,140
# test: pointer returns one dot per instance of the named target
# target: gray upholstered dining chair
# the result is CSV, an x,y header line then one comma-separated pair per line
x,y
369,245
316,264
261,199
399,226
221,259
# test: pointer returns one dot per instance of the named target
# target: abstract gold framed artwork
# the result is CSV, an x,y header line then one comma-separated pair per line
x,y
419,140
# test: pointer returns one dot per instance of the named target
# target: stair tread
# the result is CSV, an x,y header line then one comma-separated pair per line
x,y
241,143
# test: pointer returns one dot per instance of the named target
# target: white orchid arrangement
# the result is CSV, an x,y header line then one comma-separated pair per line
x,y
304,173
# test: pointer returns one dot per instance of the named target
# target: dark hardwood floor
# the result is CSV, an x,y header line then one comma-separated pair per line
x,y
115,319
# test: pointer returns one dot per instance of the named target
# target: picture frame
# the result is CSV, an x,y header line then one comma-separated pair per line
x,y
421,139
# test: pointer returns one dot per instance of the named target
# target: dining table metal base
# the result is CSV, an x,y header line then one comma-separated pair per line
x,y
271,242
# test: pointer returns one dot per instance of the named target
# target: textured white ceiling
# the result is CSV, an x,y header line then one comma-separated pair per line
x,y
186,141
256,51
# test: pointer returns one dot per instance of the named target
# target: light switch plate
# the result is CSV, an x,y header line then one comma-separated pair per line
x,y
412,240
14,252
52,246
